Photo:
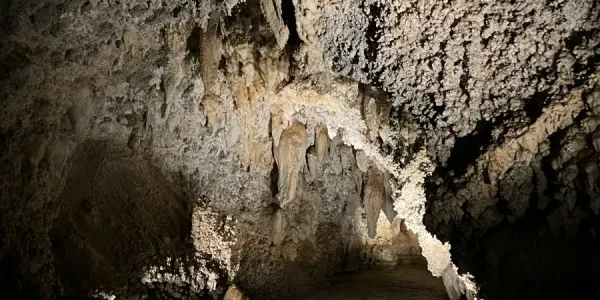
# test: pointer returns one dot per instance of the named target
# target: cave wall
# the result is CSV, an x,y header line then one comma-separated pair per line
x,y
504,93
93,73
526,203
457,67
162,147
284,121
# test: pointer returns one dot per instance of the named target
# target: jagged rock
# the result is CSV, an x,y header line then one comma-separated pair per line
x,y
371,115
272,11
347,158
349,166
312,162
211,48
289,251
376,113
80,112
384,121
592,99
454,287
36,149
278,227
596,141
321,143
315,156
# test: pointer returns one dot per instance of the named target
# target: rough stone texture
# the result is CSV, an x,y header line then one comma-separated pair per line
x,y
164,125
272,10
75,73
531,185
111,198
498,89
173,148
460,68
373,198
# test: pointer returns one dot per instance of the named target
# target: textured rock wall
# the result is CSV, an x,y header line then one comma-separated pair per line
x,y
282,141
526,202
503,92
93,73
155,148
471,72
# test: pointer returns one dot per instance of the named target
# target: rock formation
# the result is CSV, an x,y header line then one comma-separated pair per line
x,y
198,149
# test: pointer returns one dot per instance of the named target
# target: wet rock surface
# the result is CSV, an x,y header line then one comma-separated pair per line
x,y
252,149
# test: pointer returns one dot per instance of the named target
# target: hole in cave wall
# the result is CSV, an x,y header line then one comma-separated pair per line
x,y
535,105
193,42
288,14
468,148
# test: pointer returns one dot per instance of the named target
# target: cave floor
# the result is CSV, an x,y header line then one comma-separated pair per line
x,y
402,282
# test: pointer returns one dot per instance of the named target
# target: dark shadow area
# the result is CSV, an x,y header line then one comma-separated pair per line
x,y
468,148
193,43
118,214
535,105
549,251
288,14
525,260
403,282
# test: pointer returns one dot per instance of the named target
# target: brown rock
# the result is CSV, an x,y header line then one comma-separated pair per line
x,y
233,293
289,155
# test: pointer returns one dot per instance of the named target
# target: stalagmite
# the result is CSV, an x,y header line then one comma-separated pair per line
x,y
278,227
384,121
362,161
313,163
371,115
321,143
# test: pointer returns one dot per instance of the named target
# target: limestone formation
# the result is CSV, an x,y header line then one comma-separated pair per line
x,y
373,198
197,149
233,293
290,156
272,11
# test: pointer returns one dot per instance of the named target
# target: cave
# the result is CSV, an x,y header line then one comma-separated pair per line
x,y
287,149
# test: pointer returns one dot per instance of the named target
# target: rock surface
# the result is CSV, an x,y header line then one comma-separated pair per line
x,y
169,149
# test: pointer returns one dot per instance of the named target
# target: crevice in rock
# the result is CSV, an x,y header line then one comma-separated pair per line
x,y
468,148
288,14
274,180
193,43
535,105
372,34
546,165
